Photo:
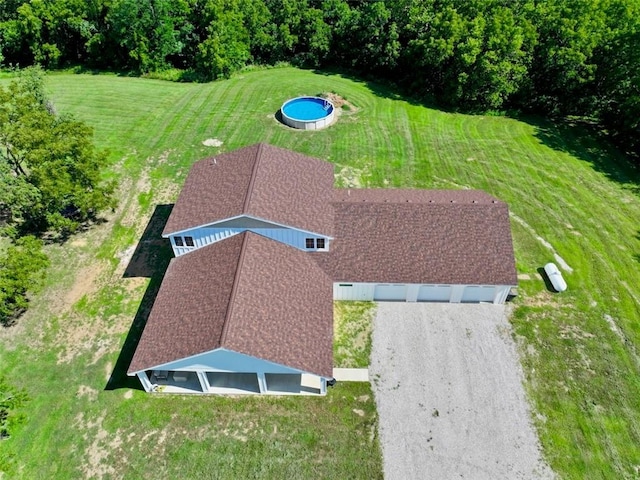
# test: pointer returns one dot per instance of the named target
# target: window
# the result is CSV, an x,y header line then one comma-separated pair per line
x,y
188,241
319,242
178,241
309,243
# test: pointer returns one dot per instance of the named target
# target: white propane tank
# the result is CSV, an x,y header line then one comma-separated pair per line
x,y
555,277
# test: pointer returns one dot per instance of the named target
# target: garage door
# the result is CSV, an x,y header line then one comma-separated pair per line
x,y
434,293
478,294
390,293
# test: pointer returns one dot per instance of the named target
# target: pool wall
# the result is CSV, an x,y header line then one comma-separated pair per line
x,y
314,124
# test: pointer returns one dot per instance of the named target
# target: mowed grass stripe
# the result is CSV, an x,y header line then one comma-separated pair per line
x,y
121,116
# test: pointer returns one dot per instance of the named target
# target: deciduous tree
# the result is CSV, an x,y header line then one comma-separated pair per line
x,y
22,270
49,163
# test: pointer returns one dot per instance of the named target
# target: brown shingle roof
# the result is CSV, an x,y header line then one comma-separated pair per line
x,y
283,308
408,195
259,297
248,294
190,309
421,236
263,181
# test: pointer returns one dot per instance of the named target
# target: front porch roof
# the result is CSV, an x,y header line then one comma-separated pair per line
x,y
216,297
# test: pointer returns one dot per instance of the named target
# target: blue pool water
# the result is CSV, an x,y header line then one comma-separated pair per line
x,y
307,108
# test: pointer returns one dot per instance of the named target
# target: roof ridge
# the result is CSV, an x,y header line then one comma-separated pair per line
x,y
234,287
254,174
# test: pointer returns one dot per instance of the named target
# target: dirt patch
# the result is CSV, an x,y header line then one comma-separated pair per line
x,y
135,284
79,335
574,332
86,391
166,192
101,347
351,177
85,282
541,299
164,156
101,446
212,142
342,106
125,257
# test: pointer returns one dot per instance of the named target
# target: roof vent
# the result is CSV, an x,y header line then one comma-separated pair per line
x,y
453,201
474,201
213,161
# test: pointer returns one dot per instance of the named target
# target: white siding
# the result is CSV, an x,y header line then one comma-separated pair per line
x,y
474,294
222,360
422,293
224,371
396,292
435,293
353,291
502,292
207,235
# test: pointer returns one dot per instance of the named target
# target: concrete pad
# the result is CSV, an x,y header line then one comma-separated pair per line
x,y
351,374
449,393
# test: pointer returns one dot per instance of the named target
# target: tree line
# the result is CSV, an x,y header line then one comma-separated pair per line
x,y
564,57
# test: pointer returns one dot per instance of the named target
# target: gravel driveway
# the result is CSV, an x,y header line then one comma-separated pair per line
x,y
448,387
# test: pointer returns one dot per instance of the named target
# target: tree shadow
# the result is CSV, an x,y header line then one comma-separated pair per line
x,y
590,143
150,260
382,88
585,140
545,279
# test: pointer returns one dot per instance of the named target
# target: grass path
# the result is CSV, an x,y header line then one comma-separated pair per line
x,y
566,191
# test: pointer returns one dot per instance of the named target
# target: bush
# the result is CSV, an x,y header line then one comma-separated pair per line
x,y
22,270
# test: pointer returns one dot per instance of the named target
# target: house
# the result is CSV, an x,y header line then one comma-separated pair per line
x,y
264,243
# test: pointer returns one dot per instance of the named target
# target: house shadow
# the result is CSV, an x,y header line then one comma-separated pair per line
x,y
150,260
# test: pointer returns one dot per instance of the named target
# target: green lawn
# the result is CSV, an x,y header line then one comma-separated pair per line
x,y
568,196
352,329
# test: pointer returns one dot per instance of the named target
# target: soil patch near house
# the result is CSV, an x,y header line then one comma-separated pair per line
x,y
352,325
448,388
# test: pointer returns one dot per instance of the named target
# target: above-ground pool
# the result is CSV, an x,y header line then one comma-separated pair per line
x,y
307,113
